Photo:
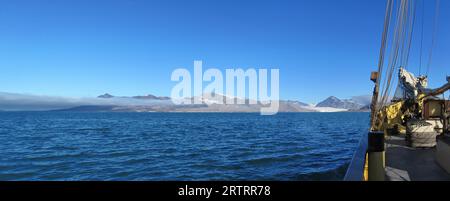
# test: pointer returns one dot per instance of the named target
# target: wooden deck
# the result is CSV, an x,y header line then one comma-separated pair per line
x,y
405,163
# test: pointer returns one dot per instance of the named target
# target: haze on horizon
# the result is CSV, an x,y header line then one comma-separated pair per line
x,y
87,48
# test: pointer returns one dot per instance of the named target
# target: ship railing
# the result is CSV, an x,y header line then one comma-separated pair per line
x,y
355,171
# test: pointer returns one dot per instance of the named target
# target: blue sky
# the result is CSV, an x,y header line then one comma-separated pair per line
x,y
83,48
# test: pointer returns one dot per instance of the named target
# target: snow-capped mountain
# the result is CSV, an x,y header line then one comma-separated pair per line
x,y
355,103
152,103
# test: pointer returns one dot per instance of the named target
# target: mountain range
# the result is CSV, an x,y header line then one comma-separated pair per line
x,y
355,103
151,103
146,97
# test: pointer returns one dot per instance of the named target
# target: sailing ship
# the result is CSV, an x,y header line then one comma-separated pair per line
x,y
409,135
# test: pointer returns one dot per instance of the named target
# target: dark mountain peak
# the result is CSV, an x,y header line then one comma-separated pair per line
x,y
333,98
106,95
151,97
335,102
146,97
329,101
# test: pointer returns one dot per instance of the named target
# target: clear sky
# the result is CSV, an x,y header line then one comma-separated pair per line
x,y
83,48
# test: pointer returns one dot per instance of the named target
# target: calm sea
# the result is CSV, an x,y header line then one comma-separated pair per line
x,y
177,146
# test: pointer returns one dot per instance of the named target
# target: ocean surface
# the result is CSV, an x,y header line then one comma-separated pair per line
x,y
177,146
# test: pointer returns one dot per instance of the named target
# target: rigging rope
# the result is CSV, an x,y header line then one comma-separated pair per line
x,y
398,41
401,44
421,37
404,14
411,31
390,58
387,20
435,25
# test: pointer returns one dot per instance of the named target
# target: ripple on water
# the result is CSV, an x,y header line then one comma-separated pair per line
x,y
177,146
